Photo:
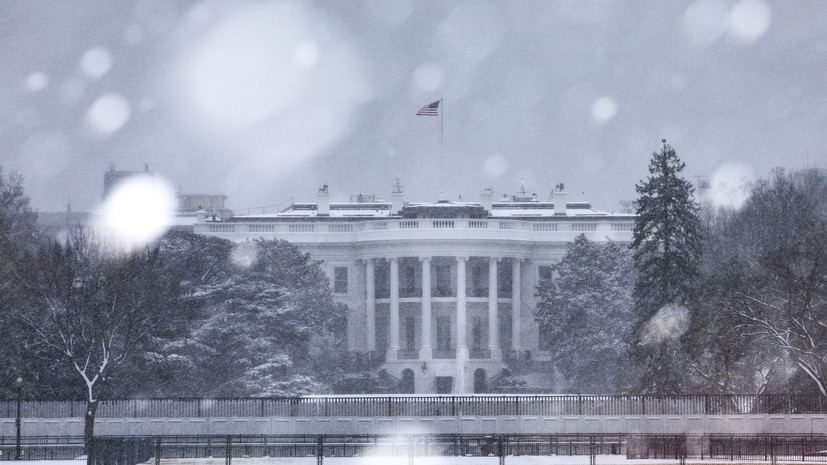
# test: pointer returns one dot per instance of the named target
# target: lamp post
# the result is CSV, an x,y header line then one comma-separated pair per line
x,y
18,452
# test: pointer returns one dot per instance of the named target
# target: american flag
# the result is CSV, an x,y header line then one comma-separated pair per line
x,y
429,110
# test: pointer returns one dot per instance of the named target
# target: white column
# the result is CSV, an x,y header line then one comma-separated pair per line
x,y
426,352
462,346
493,321
393,347
516,305
370,304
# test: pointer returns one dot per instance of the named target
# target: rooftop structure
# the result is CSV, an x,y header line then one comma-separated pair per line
x,y
441,293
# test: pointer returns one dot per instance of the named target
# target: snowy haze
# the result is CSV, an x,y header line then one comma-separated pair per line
x,y
266,100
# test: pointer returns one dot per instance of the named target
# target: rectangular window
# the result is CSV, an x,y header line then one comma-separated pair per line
x,y
443,333
340,280
409,279
443,281
476,333
504,280
382,280
479,280
505,331
544,273
410,334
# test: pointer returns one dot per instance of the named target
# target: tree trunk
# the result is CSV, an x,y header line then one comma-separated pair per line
x,y
89,430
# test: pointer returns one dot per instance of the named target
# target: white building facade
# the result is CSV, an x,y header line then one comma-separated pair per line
x,y
442,294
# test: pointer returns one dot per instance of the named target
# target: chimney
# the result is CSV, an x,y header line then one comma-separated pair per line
x,y
559,203
486,199
323,203
397,197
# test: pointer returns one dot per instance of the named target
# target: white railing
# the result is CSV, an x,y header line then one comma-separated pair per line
x,y
443,224
545,227
221,228
624,226
584,227
300,227
340,227
263,228
559,230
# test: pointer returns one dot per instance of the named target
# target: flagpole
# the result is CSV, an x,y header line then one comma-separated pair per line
x,y
441,157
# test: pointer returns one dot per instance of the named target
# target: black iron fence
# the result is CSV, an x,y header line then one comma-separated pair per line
x,y
394,406
600,448
42,447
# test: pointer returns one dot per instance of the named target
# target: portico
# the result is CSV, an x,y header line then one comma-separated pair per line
x,y
440,314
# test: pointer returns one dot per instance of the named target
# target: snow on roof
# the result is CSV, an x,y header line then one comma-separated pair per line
x,y
383,210
337,210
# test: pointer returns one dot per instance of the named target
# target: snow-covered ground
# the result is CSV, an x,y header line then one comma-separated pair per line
x,y
441,460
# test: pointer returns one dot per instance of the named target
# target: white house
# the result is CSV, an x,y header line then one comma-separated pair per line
x,y
397,266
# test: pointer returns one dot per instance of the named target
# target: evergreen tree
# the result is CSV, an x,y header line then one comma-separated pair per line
x,y
667,247
263,322
586,311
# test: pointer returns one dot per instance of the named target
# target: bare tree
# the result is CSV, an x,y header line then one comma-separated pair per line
x,y
19,237
777,256
96,308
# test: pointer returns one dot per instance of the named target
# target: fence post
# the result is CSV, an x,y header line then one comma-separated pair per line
x,y
228,451
320,450
410,449
157,451
772,449
501,449
773,460
592,452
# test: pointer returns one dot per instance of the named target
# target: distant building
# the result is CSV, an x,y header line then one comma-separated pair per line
x,y
57,223
441,293
112,177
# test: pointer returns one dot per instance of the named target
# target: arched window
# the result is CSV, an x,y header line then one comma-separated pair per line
x,y
480,381
406,384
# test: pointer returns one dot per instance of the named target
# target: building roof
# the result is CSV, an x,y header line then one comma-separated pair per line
x,y
516,206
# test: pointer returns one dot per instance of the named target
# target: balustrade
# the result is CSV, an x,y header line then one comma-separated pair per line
x,y
492,225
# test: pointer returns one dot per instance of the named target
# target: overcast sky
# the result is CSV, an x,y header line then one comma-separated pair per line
x,y
268,100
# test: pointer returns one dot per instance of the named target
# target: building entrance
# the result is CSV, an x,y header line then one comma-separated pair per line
x,y
444,384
